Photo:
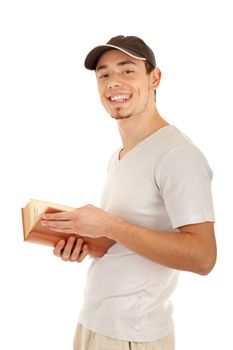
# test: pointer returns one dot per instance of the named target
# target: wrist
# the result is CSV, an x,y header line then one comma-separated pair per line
x,y
115,228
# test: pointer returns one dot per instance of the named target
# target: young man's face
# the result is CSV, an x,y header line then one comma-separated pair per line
x,y
125,88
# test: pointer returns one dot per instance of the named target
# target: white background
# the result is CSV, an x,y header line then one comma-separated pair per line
x,y
56,139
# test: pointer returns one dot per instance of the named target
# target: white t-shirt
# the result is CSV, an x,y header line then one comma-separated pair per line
x,y
163,183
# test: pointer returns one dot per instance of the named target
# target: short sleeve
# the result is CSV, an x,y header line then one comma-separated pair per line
x,y
184,177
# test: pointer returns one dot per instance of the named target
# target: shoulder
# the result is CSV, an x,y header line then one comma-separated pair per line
x,y
183,154
171,142
179,150
183,161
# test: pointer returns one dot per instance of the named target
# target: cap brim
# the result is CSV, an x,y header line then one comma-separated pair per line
x,y
94,55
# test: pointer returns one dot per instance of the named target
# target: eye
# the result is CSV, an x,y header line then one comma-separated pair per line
x,y
102,76
127,71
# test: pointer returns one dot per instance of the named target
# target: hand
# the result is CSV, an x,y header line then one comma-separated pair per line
x,y
73,250
85,221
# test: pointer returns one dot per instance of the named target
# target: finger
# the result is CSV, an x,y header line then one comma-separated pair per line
x,y
77,249
68,248
68,231
57,223
59,247
63,215
83,254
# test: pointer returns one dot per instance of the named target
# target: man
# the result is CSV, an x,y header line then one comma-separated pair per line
x,y
156,205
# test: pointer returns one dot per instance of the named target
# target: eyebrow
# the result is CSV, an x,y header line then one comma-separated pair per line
x,y
121,63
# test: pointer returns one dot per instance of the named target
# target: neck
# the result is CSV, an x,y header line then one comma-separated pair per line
x,y
136,128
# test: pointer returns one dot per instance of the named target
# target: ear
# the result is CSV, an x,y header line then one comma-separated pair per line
x,y
155,77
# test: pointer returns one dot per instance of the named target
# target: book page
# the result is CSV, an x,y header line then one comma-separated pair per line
x,y
38,207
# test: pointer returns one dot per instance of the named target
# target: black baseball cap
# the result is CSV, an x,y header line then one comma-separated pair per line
x,y
131,45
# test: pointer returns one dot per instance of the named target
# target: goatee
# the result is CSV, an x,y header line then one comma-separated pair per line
x,y
118,117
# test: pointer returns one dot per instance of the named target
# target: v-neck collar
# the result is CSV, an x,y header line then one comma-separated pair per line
x,y
141,143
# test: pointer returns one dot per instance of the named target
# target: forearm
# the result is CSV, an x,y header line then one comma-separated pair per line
x,y
178,250
192,248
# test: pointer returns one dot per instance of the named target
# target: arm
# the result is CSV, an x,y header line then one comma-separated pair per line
x,y
193,248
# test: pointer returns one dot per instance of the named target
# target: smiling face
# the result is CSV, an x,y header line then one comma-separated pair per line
x,y
125,88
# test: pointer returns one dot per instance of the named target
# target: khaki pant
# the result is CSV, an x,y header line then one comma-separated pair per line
x,y
85,339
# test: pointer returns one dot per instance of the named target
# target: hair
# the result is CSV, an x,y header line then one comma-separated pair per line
x,y
149,69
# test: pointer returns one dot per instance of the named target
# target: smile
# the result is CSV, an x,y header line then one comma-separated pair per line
x,y
119,98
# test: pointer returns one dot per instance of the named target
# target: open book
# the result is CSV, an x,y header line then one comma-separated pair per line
x,y
36,233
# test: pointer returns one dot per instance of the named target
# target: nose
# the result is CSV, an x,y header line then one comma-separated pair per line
x,y
113,81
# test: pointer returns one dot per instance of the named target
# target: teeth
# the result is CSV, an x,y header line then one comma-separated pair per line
x,y
119,98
